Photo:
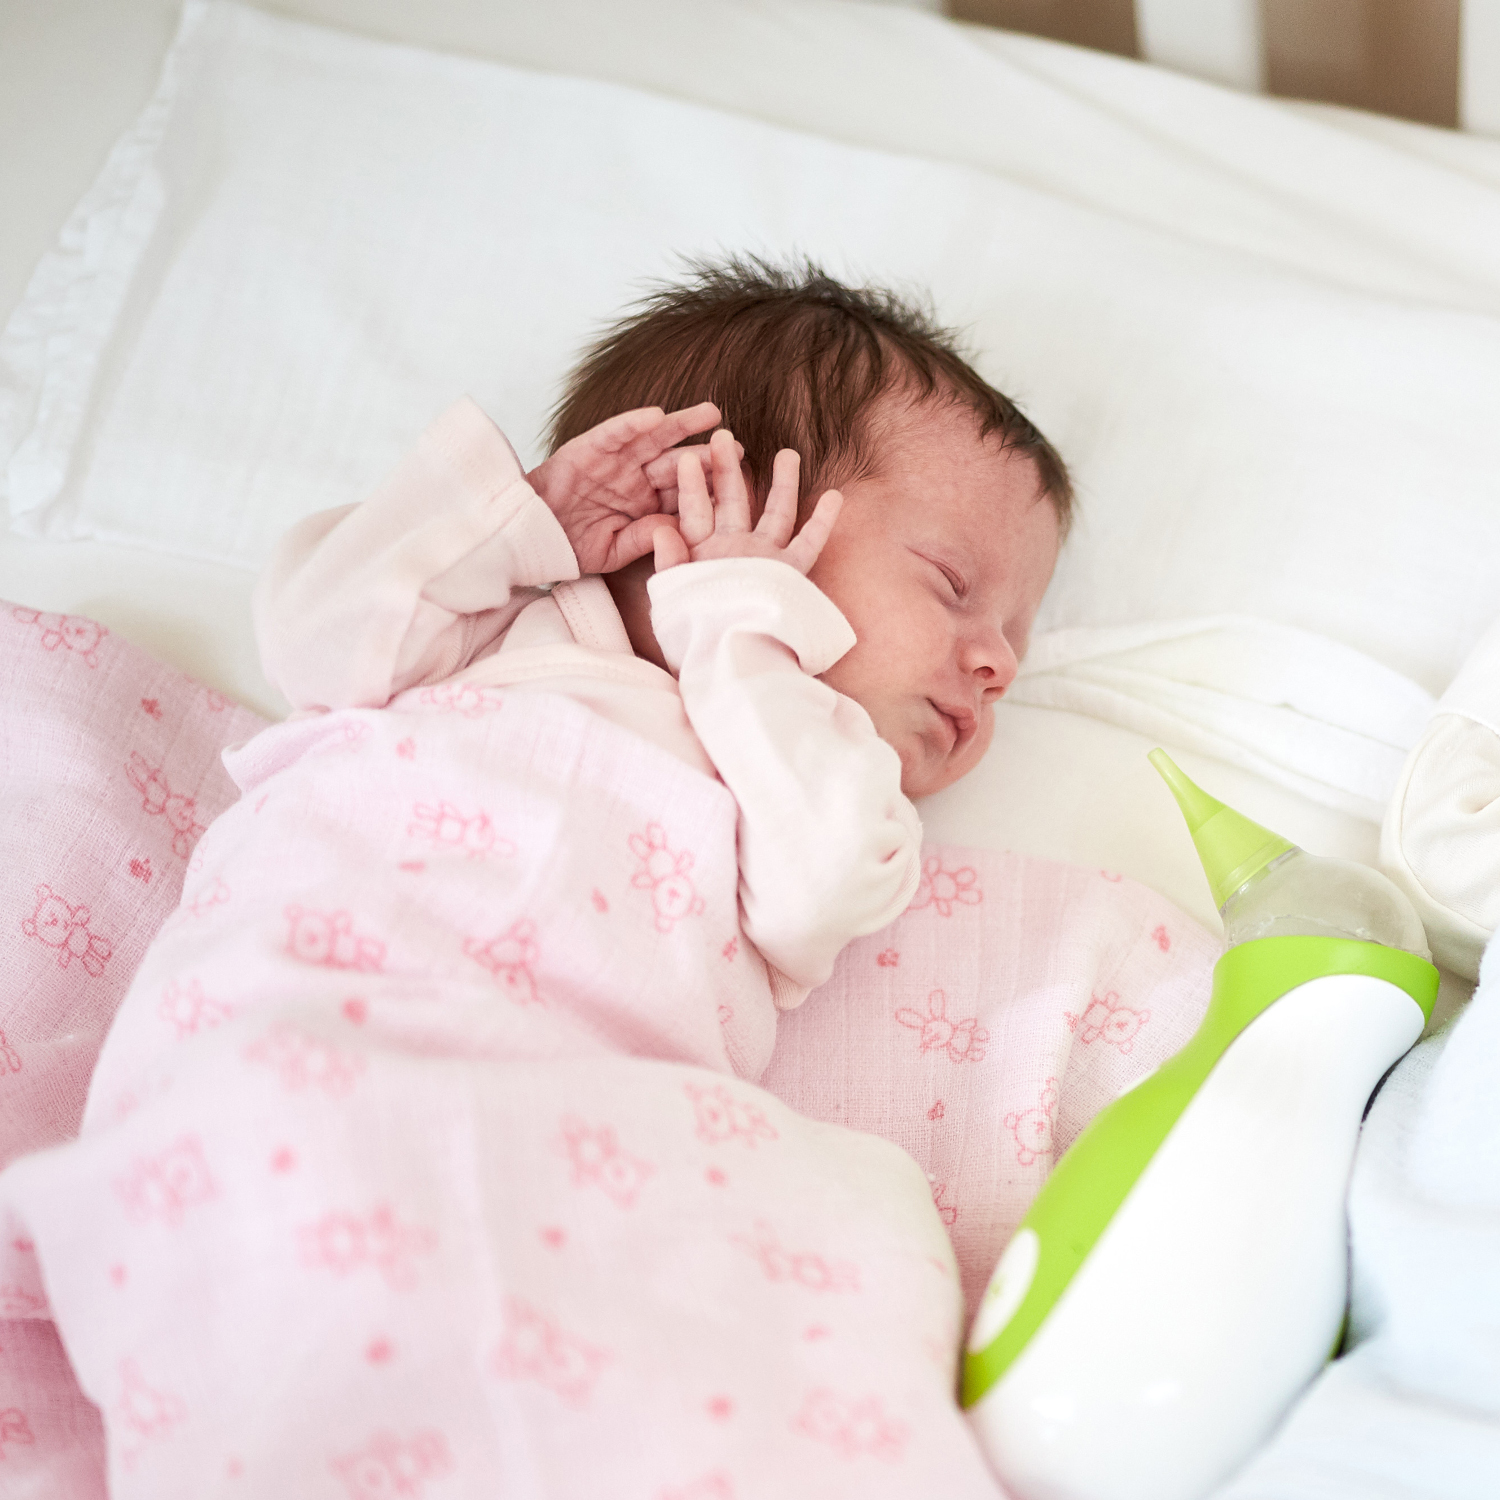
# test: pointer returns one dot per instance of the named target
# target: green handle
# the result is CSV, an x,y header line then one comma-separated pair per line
x,y
1098,1171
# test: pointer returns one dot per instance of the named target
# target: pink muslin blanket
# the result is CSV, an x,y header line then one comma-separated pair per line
x,y
424,1157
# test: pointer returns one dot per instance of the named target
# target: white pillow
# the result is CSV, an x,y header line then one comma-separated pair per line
x,y
310,242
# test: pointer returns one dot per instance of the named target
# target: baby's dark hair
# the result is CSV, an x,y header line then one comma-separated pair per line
x,y
793,359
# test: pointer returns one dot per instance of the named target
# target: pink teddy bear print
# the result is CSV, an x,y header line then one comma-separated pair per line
x,y
509,958
66,928
72,632
665,875
963,1041
388,1466
329,939
1108,1020
534,1347
164,1185
1032,1128
598,1160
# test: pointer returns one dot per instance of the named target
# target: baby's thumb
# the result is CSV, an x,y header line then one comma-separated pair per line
x,y
668,545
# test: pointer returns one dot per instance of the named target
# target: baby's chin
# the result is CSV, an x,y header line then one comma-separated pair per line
x,y
927,769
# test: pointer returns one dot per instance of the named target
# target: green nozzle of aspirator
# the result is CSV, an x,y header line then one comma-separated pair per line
x,y
1232,848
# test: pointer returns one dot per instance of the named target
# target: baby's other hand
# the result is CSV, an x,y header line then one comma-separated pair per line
x,y
615,486
719,525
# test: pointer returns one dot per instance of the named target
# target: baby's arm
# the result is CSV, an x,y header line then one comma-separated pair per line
x,y
409,587
829,847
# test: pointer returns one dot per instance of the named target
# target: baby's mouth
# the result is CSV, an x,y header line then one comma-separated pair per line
x,y
961,721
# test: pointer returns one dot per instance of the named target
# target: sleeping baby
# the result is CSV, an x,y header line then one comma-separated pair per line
x,y
425,1157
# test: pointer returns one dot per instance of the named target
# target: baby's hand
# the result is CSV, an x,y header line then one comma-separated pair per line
x,y
615,486
719,526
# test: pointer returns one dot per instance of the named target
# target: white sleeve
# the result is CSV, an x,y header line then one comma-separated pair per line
x,y
829,848
1441,838
362,602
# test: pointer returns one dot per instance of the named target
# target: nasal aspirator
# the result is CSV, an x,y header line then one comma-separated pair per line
x,y
1182,1275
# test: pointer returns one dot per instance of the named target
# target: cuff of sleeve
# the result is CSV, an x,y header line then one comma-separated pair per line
x,y
757,594
1475,691
526,543
786,993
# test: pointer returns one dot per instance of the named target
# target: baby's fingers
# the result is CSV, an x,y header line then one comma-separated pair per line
x,y
670,549
731,500
779,519
661,472
619,432
808,544
695,511
671,429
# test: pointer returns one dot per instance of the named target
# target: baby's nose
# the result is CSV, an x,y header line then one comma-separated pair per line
x,y
989,657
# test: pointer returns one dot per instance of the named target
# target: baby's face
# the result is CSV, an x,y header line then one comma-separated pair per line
x,y
939,563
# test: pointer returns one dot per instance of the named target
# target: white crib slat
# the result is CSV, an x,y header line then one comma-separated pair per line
x,y
1216,39
1479,67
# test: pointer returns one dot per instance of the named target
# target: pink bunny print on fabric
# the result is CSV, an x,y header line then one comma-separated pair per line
x,y
962,1041
944,889
805,1268
665,875
598,1161
387,1467
344,1242
445,827
1109,1021
158,798
72,632
329,939
189,1010
145,1413
66,928
722,1117
14,1429
1032,1128
164,1186
509,959
853,1427
534,1347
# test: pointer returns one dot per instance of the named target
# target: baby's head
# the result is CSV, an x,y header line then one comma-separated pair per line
x,y
954,503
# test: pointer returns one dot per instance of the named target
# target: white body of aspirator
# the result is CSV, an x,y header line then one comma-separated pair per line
x,y
1217,1290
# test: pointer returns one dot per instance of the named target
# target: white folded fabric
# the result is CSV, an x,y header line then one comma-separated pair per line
x,y
1413,1411
1440,840
1297,708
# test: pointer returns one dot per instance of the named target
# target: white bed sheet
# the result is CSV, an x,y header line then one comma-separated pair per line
x,y
1384,208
